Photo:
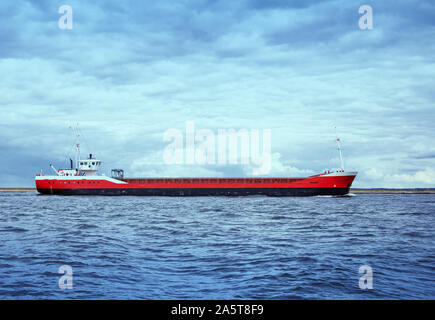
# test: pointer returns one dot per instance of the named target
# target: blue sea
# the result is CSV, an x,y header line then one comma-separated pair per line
x,y
216,247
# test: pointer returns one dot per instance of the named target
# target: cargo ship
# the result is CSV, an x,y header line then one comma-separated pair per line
x,y
83,179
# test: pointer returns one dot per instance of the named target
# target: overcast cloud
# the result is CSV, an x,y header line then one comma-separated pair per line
x,y
130,70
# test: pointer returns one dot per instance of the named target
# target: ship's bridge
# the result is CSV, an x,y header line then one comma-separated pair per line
x,y
89,167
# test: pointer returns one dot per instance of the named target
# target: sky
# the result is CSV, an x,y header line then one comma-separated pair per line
x,y
128,71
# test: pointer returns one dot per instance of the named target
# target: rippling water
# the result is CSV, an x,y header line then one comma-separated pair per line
x,y
217,247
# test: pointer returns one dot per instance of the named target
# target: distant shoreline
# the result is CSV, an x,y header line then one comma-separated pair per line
x,y
17,189
353,190
392,191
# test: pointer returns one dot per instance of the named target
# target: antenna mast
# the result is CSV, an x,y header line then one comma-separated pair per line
x,y
77,146
337,139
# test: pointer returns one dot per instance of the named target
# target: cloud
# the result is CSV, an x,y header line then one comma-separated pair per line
x,y
420,179
129,71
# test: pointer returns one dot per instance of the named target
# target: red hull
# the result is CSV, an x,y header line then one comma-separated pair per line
x,y
336,183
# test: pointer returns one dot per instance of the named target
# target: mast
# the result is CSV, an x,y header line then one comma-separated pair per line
x,y
77,145
78,148
337,139
77,155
